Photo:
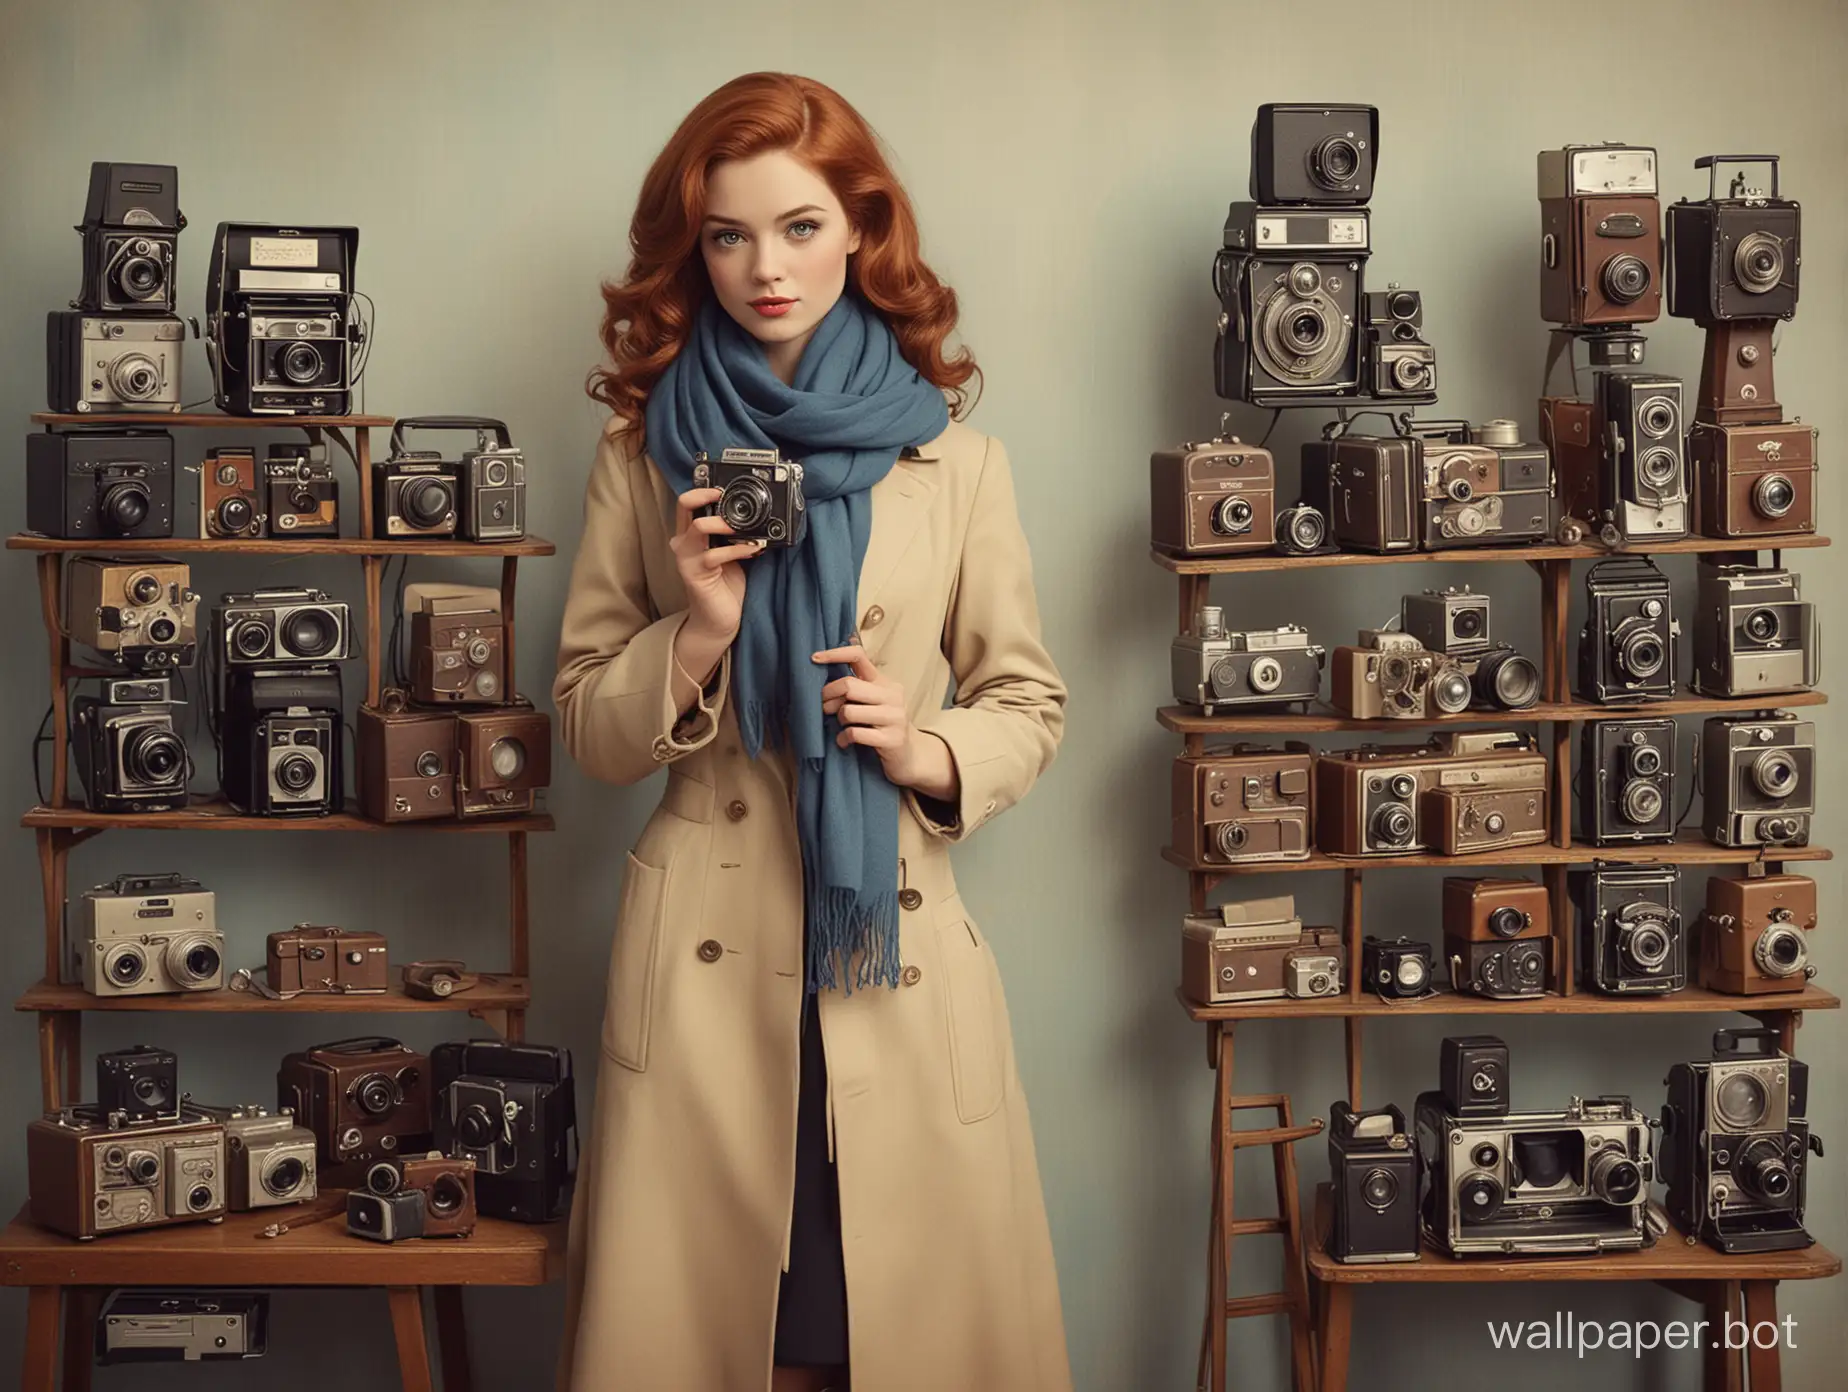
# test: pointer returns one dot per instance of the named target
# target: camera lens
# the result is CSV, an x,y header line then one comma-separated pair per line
x,y
144,1165
425,502
1469,623
1306,279
1506,922
1659,467
1403,785
1642,803
1410,374
1774,773
284,1177
478,652
1641,654
295,773
1528,962
375,1095
152,755
1391,825
125,506
1479,1199
1646,944
1762,626
1230,838
301,363
1485,1156
1232,516
1460,490
429,764
193,960
1758,262
1451,690
125,966
200,1198
1741,1100
446,1196
745,504
1781,951
1625,279
163,630
134,377
507,757
1508,680
1306,529
234,514
1410,972
1308,329
1334,163
1402,304
1645,760
1266,675
141,276
494,473
311,632
1300,335
1380,1188
384,1178
1773,495
1657,416
476,1128
1615,1177
143,588
1763,1171
150,1091
251,638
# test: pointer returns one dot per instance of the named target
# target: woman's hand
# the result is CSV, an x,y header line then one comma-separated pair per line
x,y
712,575
871,709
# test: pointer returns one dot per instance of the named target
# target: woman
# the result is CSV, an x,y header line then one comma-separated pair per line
x,y
810,1158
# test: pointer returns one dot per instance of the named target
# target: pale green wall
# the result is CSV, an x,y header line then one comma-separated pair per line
x,y
1071,163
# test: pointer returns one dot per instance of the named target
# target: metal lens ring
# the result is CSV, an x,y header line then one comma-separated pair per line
x,y
283,1175
1479,1198
1641,802
1781,951
1451,691
1615,1177
1300,333
234,513
1774,773
1659,466
507,757
426,501
745,504
1509,680
1741,1100
1303,529
1528,961
1392,825
126,505
1625,279
1762,626
1230,838
1642,652
1410,972
301,363
1380,1188
1645,760
153,755
141,276
194,961
125,965
1658,416
295,772
1410,374
134,377
375,1094
252,638
1646,940
311,632
1231,516
1266,674
1334,162
446,1196
1774,495
1507,922
384,1178
1763,1171
1758,263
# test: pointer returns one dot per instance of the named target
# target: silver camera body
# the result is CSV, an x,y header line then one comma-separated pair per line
x,y
148,935
165,1175
1450,621
1215,668
1758,780
141,1326
491,494
127,364
1754,633
287,625
1308,976
269,1159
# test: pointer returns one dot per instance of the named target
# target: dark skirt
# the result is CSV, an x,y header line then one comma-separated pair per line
x,y
811,1309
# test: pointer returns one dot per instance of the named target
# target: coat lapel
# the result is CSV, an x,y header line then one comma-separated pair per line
x,y
901,503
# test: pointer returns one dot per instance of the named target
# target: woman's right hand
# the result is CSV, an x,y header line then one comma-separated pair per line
x,y
712,575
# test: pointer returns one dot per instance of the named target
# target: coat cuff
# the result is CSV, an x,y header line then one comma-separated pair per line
x,y
646,713
981,757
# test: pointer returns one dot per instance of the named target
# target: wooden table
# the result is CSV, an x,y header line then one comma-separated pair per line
x,y
1711,1278
64,1273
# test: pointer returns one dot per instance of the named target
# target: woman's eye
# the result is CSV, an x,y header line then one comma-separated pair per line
x,y
719,237
804,229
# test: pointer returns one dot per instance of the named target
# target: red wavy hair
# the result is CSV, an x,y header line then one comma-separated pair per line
x,y
647,316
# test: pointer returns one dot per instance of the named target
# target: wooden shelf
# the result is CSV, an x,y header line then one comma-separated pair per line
x,y
321,1254
1690,849
493,993
1324,719
1692,1000
217,816
282,546
212,420
1690,546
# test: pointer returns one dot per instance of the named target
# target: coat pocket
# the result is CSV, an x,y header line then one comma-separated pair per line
x,y
975,1046
630,996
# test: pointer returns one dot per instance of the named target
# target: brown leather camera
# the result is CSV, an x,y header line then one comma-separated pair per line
x,y
1215,499
1463,791
1736,382
1368,487
365,1099
1600,236
457,644
407,761
1754,480
230,504
85,1178
446,1184
506,756
327,961
1572,431
1257,949
1754,939
1241,806
1390,676
1495,910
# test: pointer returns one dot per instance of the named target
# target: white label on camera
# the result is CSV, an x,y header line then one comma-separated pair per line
x,y
284,251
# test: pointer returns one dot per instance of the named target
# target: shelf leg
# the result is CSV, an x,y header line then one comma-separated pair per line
x,y
1722,1369
1555,609
1337,1332
1295,1269
452,1339
1763,1365
373,567
518,958
1351,930
1559,905
54,848
1561,733
51,604
407,1327
1194,592
81,1304
1353,1061
510,569
70,1039
1212,1373
48,1059
40,1372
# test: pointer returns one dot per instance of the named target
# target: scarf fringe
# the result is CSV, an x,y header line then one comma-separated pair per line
x,y
843,927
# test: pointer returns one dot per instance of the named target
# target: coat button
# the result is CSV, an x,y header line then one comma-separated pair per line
x,y
711,950
873,617
910,976
735,809
909,899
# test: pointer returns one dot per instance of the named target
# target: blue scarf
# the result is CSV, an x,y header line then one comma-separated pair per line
x,y
854,404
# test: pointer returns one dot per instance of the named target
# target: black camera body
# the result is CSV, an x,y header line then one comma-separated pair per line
x,y
1314,153
1627,781
414,496
139,1083
103,485
1473,1077
1396,968
1398,365
1645,455
1627,649
280,741
130,229
1289,287
130,756
1632,939
512,1109
1373,1168
1734,257
279,313
1735,1144
763,499
1510,970
301,495
486,485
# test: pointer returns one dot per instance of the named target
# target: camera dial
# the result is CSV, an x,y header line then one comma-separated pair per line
x,y
1528,961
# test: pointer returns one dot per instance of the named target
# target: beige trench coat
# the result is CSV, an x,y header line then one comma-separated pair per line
x,y
681,1221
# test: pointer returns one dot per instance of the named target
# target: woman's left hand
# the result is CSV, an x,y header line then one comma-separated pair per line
x,y
871,709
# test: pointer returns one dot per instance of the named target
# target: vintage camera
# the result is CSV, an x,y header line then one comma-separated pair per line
x,y
279,627
130,757
1499,970
504,758
1646,462
489,481
444,1185
1314,153
232,507
407,763
150,1326
142,614
1464,791
1502,679
1399,365
1241,806
1626,650
1627,781
1390,676
279,319
760,495
1754,633
102,485
131,229
1258,949
1302,530
1289,287
1736,1142
1536,1183
512,1110
389,1217
1496,936
1449,621
1755,480
1473,1077
1758,780
106,364
414,495
457,638
1395,968
1482,487
280,741
1754,937
364,1099
146,935
1734,257
270,1160
139,1083
1368,487
87,1177
327,961
1213,499
1215,669
1600,236
1631,938
300,493
1373,1166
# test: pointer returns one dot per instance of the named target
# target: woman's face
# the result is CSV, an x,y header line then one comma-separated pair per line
x,y
776,243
